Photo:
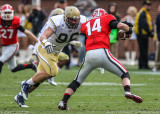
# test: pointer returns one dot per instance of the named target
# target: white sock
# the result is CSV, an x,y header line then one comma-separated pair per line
x,y
30,82
19,93
127,92
53,79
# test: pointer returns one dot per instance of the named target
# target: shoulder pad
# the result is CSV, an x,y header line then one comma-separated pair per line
x,y
83,19
57,19
16,20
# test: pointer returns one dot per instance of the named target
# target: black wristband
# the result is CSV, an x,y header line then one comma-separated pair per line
x,y
130,30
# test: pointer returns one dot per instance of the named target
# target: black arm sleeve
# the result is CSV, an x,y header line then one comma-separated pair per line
x,y
22,29
113,24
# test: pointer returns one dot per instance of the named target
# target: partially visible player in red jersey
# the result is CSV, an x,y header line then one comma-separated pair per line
x,y
9,25
97,31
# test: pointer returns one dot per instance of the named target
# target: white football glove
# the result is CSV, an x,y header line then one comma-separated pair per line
x,y
76,43
48,46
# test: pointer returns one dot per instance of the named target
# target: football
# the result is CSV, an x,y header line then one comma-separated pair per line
x,y
122,35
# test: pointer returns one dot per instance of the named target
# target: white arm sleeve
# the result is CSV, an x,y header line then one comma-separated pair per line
x,y
51,24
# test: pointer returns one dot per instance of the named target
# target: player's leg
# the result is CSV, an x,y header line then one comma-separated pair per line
x,y
19,98
7,53
62,60
47,68
39,77
81,76
20,101
24,66
111,64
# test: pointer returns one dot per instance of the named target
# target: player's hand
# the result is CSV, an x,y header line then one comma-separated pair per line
x,y
130,31
76,43
49,47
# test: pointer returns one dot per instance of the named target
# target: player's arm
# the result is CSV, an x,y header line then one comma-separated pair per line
x,y
28,33
119,25
48,45
46,34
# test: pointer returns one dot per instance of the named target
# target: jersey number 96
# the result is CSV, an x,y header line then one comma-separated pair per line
x,y
64,37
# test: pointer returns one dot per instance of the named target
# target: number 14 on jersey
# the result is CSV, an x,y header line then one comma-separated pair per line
x,y
96,26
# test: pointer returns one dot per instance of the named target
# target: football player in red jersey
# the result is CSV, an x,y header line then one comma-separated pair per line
x,y
9,25
97,31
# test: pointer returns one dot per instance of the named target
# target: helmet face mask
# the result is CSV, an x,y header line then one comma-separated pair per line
x,y
72,22
72,17
7,12
7,15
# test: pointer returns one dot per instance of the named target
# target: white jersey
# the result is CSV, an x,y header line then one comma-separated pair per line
x,y
62,34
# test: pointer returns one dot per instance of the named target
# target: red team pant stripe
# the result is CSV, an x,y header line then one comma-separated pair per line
x,y
116,61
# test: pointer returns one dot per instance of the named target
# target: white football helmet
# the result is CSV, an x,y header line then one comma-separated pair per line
x,y
7,12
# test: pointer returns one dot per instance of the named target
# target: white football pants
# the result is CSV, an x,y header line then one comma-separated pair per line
x,y
8,53
99,58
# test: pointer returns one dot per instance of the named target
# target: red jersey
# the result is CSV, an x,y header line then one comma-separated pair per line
x,y
97,31
8,34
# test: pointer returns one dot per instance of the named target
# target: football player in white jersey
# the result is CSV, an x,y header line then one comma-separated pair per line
x,y
63,58
60,30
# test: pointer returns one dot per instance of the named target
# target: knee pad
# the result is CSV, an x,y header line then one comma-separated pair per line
x,y
125,75
74,85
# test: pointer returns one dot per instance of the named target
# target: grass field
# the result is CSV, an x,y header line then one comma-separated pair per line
x,y
100,93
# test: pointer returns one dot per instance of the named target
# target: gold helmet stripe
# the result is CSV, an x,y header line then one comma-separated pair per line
x,y
53,24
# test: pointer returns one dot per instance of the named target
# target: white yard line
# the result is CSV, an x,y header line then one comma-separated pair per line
x,y
97,84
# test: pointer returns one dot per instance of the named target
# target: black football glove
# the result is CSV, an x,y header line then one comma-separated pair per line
x,y
130,31
128,23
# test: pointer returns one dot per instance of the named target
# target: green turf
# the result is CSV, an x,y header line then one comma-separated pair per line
x,y
93,99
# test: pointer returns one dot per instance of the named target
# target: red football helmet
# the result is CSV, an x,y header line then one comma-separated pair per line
x,y
7,12
98,12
